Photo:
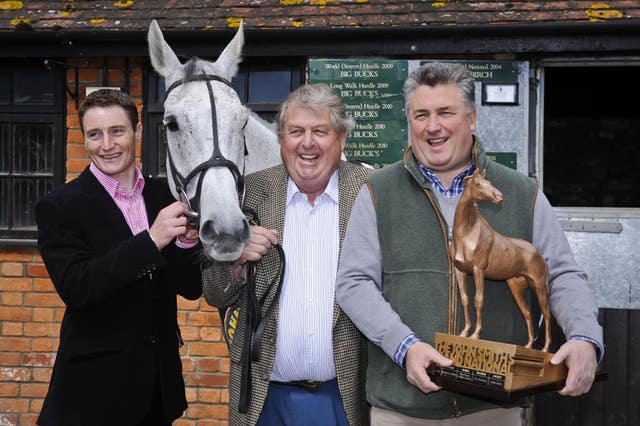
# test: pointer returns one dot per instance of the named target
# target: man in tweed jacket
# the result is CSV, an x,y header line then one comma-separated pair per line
x,y
311,363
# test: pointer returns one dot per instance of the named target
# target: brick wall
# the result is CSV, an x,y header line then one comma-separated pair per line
x,y
31,311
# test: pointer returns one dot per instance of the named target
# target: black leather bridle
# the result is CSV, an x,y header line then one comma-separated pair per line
x,y
216,160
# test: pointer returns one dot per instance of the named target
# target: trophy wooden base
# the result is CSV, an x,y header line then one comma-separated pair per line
x,y
495,370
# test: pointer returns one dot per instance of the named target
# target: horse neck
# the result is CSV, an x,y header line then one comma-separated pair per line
x,y
262,144
466,214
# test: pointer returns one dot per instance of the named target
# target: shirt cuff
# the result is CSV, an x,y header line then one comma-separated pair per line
x,y
404,347
599,347
186,245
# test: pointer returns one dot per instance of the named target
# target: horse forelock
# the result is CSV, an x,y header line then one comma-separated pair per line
x,y
193,68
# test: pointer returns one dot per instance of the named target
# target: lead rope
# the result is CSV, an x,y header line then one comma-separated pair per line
x,y
256,322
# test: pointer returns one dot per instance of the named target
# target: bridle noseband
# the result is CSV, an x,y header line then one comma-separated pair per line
x,y
216,160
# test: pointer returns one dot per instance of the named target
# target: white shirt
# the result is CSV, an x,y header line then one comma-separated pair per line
x,y
310,240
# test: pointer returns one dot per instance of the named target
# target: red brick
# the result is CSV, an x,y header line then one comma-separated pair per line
x,y
9,358
75,141
209,364
15,314
208,380
10,374
77,165
42,329
201,411
9,389
35,270
211,334
12,269
225,365
202,318
15,284
36,404
22,254
12,299
189,333
208,349
88,76
209,395
184,422
12,328
38,390
73,121
188,364
42,374
189,305
43,315
28,419
16,344
207,307
38,360
192,395
44,344
9,419
43,299
43,284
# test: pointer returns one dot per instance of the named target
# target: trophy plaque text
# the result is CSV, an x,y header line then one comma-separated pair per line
x,y
495,370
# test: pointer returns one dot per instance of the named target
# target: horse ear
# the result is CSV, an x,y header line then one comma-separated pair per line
x,y
230,58
163,59
475,172
484,173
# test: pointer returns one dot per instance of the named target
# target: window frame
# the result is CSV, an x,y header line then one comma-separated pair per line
x,y
592,212
54,113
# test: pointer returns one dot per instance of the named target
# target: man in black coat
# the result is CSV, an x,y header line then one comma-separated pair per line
x,y
118,250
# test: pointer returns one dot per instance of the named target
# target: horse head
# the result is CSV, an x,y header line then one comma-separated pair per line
x,y
204,124
481,189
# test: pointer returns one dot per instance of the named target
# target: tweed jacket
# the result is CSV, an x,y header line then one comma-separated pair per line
x,y
266,195
119,334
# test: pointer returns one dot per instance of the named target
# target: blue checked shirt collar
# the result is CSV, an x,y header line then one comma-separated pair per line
x,y
457,184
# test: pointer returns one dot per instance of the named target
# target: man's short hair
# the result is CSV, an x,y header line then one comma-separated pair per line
x,y
107,98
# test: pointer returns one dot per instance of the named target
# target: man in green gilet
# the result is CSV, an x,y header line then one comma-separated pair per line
x,y
396,281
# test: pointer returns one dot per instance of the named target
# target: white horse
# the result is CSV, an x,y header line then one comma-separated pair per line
x,y
212,141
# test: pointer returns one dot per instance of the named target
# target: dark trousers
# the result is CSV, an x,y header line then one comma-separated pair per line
x,y
288,405
155,415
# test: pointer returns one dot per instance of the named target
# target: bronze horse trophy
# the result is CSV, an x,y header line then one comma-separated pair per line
x,y
479,250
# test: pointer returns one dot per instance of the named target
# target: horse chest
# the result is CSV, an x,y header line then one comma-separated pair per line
x,y
468,248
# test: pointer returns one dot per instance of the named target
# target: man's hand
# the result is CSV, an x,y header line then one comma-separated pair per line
x,y
169,224
419,356
261,241
580,357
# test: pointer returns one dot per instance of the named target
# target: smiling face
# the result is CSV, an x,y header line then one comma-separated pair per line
x,y
310,148
441,129
111,142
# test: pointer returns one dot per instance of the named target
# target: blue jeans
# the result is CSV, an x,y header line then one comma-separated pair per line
x,y
288,405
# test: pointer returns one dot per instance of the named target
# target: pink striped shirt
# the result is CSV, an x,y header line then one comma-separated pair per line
x,y
130,204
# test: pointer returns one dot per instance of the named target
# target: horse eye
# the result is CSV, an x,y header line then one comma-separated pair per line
x,y
172,125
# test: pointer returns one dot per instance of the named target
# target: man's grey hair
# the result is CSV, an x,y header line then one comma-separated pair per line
x,y
317,97
434,73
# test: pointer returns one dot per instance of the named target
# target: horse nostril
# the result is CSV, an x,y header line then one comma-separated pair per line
x,y
207,231
244,233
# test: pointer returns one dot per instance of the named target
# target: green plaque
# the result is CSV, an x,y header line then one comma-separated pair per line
x,y
490,71
372,91
509,159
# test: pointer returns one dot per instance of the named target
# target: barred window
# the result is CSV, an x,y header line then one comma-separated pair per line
x,y
31,145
